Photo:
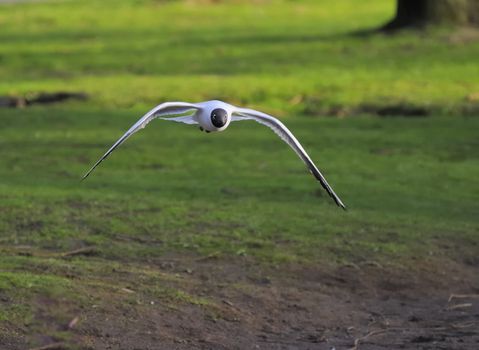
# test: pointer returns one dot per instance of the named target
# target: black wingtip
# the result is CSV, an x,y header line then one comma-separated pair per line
x,y
334,196
89,172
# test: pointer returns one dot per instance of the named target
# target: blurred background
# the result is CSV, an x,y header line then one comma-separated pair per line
x,y
383,94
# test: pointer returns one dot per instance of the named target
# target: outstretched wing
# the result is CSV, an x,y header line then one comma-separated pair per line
x,y
283,132
162,110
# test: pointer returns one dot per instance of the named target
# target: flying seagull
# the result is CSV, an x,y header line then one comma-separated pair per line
x,y
212,116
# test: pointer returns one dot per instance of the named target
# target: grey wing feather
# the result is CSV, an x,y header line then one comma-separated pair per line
x,y
164,109
186,119
283,132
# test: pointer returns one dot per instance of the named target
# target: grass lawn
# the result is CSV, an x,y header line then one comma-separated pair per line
x,y
410,184
287,57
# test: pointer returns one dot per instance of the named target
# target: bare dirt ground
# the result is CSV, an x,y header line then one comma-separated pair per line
x,y
365,306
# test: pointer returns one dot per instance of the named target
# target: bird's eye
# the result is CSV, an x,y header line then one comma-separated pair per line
x,y
219,117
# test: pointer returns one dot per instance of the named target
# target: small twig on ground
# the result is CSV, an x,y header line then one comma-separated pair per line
x,y
127,290
462,296
352,265
73,322
80,251
350,329
370,334
459,306
463,325
227,302
53,346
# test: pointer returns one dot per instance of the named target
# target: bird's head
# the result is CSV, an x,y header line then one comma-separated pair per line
x,y
219,117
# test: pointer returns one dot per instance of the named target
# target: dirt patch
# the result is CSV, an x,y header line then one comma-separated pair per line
x,y
386,110
239,304
315,106
401,109
40,98
464,36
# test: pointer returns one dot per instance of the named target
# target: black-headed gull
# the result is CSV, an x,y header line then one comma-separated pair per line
x,y
214,116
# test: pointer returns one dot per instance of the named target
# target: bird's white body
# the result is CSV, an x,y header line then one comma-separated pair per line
x,y
202,116
213,116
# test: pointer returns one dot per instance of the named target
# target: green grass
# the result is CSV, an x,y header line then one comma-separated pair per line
x,y
410,184
287,57
239,192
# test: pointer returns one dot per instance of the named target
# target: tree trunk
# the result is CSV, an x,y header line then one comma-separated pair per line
x,y
419,13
